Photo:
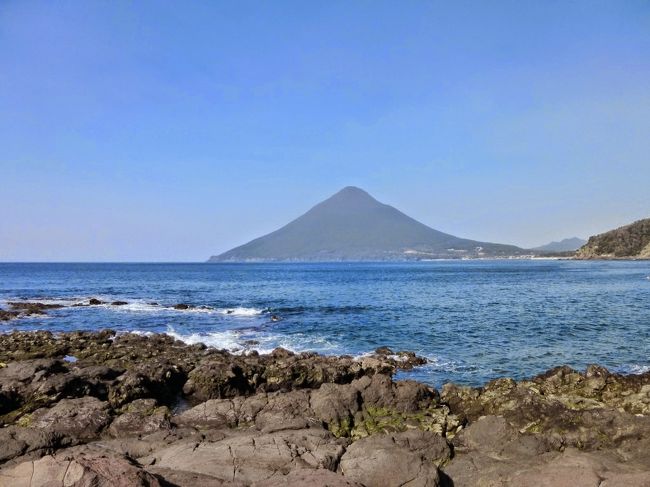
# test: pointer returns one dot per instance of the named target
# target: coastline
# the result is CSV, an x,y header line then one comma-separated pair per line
x,y
151,410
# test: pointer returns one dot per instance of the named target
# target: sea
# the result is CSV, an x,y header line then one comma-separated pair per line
x,y
473,320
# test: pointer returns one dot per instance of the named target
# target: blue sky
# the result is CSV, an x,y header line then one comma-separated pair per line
x,y
176,130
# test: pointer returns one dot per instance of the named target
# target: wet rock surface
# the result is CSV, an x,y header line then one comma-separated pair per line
x,y
147,411
23,309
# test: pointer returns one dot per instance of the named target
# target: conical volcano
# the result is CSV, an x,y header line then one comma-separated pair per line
x,y
352,225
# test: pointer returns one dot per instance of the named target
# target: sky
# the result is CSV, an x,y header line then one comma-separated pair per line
x,y
172,131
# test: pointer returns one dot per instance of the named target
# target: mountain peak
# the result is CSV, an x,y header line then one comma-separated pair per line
x,y
352,225
566,245
353,192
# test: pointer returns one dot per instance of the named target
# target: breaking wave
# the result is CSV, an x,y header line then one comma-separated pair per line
x,y
240,341
240,311
139,306
635,369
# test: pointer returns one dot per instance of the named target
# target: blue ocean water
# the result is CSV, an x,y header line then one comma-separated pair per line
x,y
474,320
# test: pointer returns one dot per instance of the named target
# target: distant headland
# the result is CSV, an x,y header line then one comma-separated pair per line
x,y
627,242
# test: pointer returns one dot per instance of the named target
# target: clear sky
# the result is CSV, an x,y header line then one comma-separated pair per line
x,y
148,130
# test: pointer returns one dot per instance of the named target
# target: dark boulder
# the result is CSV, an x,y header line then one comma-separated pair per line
x,y
140,417
157,379
8,315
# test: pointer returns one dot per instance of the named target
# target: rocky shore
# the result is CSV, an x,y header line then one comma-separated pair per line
x,y
100,409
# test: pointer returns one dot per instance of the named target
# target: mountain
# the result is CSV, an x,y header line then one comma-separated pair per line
x,y
628,242
352,225
566,245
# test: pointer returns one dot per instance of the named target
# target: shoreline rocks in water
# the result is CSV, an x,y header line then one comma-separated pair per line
x,y
21,309
136,410
24,309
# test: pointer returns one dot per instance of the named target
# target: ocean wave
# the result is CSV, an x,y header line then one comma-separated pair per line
x,y
241,341
134,307
241,311
145,306
228,340
152,307
113,303
635,369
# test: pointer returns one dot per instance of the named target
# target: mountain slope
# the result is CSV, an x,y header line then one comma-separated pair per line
x,y
352,225
566,245
631,241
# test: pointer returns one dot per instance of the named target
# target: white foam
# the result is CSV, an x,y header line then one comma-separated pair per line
x,y
54,301
635,369
133,307
142,306
237,341
361,356
136,332
147,306
228,340
241,311
269,342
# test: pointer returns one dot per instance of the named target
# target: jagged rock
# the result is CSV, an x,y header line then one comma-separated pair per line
x,y
28,385
156,379
287,417
363,407
221,376
336,404
286,411
378,405
78,470
16,441
44,344
140,417
8,315
82,418
404,360
407,458
569,408
218,380
33,307
21,309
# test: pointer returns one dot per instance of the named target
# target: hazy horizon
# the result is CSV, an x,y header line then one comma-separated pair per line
x,y
157,132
